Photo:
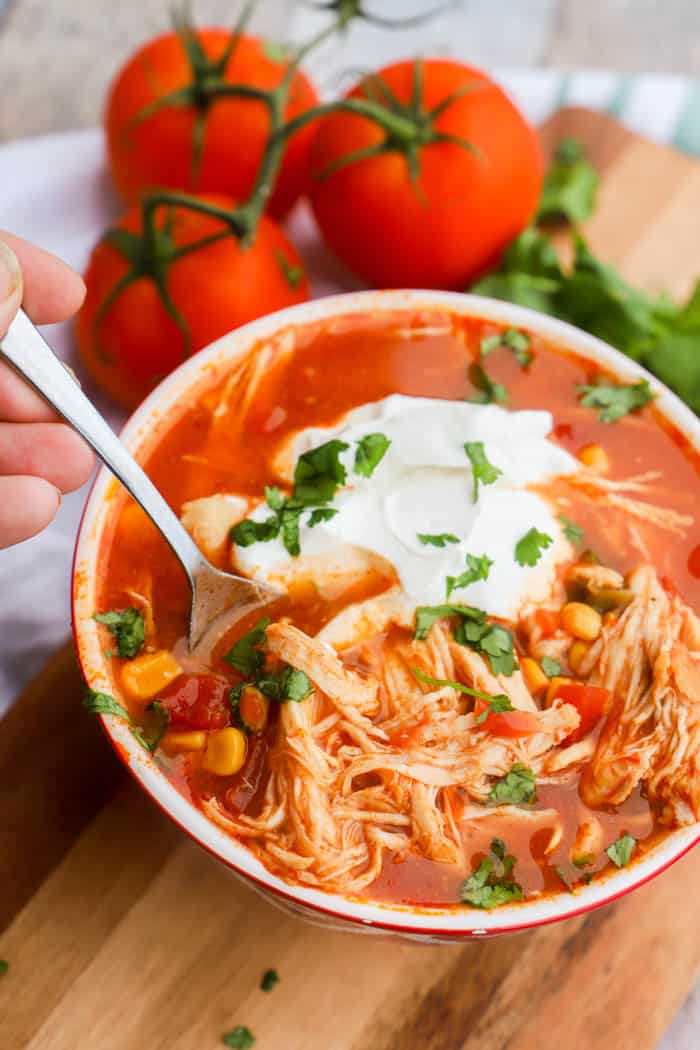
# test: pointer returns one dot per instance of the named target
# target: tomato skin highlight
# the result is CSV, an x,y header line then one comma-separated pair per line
x,y
215,288
452,226
591,702
507,723
197,701
157,151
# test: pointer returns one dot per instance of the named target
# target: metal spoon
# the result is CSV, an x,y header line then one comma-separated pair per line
x,y
213,592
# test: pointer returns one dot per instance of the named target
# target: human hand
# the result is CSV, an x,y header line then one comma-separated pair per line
x,y
40,458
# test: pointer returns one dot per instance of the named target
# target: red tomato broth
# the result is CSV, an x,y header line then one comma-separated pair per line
x,y
373,356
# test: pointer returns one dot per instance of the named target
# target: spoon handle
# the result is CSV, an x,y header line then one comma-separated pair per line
x,y
25,349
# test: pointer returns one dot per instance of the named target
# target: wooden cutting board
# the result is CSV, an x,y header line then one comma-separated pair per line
x,y
122,935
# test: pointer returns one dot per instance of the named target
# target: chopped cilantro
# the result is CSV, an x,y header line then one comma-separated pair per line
x,y
247,532
511,339
439,539
550,666
478,567
528,549
497,705
487,390
292,274
239,1038
104,704
319,473
289,529
492,883
615,401
621,850
156,720
321,514
246,655
565,879
474,630
516,787
127,626
274,498
289,684
269,979
371,449
570,186
441,682
483,471
4,967
583,861
572,531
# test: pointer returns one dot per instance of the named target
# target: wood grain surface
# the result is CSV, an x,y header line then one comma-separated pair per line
x,y
122,935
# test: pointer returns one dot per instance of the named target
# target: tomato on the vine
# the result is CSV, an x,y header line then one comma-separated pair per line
x,y
430,195
148,307
171,120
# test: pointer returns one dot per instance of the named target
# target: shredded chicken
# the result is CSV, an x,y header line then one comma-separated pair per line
x,y
616,493
648,660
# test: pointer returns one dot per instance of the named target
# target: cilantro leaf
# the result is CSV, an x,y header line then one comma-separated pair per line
x,y
440,539
128,628
483,471
497,643
245,655
290,684
528,549
104,704
239,1038
269,979
550,666
510,339
319,473
289,528
497,705
572,531
247,532
516,787
427,615
4,967
570,186
439,683
274,498
371,449
321,514
156,720
492,883
487,390
478,567
564,878
615,401
620,852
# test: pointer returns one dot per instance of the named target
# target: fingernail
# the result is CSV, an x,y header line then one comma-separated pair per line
x,y
10,272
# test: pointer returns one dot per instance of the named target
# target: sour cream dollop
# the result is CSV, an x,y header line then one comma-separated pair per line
x,y
424,485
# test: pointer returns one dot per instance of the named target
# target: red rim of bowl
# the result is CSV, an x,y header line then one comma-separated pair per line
x,y
557,331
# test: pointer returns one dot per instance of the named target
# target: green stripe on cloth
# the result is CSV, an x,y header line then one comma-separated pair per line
x,y
687,134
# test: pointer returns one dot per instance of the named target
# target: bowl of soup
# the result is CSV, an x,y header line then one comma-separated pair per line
x,y
475,707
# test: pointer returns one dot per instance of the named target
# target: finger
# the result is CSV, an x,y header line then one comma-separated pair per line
x,y
18,402
46,450
27,505
52,290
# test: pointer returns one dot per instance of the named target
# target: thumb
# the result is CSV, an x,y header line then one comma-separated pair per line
x,y
10,286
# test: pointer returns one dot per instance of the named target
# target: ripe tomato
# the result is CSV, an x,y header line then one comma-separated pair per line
x,y
130,346
450,223
156,148
197,701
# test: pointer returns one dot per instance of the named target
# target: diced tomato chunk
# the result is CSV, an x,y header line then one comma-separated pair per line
x,y
507,723
548,621
591,702
197,701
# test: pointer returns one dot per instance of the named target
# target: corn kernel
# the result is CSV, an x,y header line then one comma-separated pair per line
x,y
535,678
576,654
553,688
225,753
581,620
595,458
173,743
145,675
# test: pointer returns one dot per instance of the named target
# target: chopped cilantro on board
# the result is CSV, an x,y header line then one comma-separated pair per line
x,y
128,628
529,548
570,186
269,979
239,1038
4,967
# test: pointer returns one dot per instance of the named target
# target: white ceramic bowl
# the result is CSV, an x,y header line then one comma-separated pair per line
x,y
154,417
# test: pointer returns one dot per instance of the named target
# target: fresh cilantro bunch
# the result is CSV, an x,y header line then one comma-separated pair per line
x,y
652,330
